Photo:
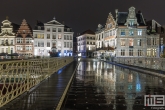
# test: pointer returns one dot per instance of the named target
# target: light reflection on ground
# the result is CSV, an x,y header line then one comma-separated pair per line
x,y
99,85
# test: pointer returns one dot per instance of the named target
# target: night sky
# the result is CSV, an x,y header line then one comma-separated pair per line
x,y
78,14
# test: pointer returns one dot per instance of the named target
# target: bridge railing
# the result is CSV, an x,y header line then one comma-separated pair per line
x,y
151,63
17,77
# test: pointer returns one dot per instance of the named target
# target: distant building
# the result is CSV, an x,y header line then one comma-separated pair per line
x,y
24,41
52,35
86,44
155,35
7,38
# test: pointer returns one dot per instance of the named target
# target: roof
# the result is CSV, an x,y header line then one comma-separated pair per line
x,y
39,25
88,32
28,36
54,22
122,18
19,36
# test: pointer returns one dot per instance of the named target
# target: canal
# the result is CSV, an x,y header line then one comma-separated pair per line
x,y
98,85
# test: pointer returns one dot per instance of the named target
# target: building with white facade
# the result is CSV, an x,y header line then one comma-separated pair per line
x,y
127,35
51,35
86,44
7,37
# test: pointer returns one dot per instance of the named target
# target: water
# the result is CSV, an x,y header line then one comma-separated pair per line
x,y
101,86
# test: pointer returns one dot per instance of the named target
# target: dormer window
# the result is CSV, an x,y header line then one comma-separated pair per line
x,y
131,22
39,27
68,29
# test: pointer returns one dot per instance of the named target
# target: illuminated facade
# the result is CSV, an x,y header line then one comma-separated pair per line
x,y
127,36
52,35
7,38
86,44
24,41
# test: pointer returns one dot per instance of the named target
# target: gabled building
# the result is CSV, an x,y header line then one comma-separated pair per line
x,y
24,41
86,44
7,37
131,34
52,35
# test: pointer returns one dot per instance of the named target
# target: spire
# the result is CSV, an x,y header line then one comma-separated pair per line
x,y
54,18
7,18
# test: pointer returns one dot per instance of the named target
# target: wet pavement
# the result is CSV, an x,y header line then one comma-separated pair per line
x,y
98,85
47,95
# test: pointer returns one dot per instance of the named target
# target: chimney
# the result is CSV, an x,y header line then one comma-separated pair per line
x,y
116,15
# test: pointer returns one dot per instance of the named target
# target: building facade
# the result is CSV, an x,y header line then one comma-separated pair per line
x,y
86,44
24,41
52,35
127,35
7,38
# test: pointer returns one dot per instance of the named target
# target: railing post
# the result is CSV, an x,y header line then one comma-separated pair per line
x,y
28,76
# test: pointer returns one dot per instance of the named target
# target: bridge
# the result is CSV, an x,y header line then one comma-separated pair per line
x,y
66,84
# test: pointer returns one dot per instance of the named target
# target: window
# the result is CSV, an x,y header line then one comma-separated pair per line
x,y
40,36
122,52
27,48
40,44
65,37
139,32
39,27
11,42
59,36
54,36
130,52
35,35
131,22
59,29
48,44
54,29
11,50
27,40
64,44
122,42
6,50
48,29
70,37
148,41
35,44
87,42
154,53
131,32
54,44
122,32
68,44
154,41
139,52
19,40
130,42
139,42
48,36
148,52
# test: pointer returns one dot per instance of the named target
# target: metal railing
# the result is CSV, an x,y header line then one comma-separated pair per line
x,y
146,62
17,77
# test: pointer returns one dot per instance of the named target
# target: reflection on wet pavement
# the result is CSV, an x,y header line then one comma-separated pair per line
x,y
102,86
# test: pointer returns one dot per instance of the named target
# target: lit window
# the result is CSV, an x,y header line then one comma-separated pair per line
x,y
139,31
131,32
139,42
